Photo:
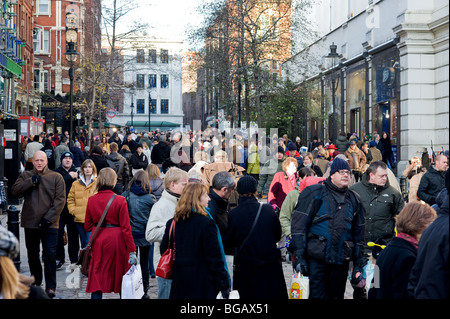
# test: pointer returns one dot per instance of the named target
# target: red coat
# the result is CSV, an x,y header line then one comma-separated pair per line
x,y
279,188
111,245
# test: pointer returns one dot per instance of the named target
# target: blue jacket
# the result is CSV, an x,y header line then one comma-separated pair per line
x,y
328,225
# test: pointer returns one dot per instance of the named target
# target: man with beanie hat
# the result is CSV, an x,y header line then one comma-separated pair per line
x,y
327,229
70,175
257,257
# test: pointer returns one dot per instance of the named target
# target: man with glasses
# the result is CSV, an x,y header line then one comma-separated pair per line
x,y
327,228
382,203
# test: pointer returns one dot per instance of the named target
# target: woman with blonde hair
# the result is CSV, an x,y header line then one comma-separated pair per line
x,y
283,182
199,270
14,285
396,261
156,182
78,197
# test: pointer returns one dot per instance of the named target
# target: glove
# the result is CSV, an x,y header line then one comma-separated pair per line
x,y
132,260
36,179
44,223
225,293
357,281
300,265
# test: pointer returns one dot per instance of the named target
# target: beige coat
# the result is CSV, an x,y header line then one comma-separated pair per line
x,y
78,198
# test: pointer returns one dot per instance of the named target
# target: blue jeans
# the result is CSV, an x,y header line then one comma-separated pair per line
x,y
84,235
164,286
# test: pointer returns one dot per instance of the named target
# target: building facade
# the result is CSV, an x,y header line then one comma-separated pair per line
x,y
152,84
391,74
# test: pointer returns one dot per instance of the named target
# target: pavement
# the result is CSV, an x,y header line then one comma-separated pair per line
x,y
71,284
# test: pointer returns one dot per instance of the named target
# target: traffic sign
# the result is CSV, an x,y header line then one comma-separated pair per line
x,y
111,112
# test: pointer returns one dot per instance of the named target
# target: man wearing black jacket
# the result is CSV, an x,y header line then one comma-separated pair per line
x,y
70,175
433,180
160,152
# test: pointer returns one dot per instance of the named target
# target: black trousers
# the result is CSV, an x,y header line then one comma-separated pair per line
x,y
327,281
144,262
73,239
33,240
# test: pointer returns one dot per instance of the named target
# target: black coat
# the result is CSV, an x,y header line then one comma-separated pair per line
x,y
430,274
139,161
199,270
258,273
431,183
394,263
218,208
160,152
99,161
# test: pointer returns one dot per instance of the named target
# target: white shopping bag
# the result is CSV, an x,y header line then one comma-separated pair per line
x,y
132,285
299,288
234,294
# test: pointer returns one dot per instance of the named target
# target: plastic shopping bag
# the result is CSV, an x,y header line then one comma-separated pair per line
x,y
234,294
299,288
132,285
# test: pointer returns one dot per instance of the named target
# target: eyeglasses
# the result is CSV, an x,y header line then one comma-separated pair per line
x,y
344,172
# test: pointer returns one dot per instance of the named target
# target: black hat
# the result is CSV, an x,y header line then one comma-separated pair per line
x,y
280,150
247,185
338,164
66,154
291,146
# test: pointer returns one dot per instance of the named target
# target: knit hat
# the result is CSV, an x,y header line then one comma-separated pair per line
x,y
337,165
9,245
280,150
247,185
291,146
66,154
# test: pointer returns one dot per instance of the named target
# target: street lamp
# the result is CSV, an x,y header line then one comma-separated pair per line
x,y
149,110
333,56
132,105
71,55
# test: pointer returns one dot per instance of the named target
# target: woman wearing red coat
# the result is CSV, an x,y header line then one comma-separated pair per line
x,y
113,248
282,183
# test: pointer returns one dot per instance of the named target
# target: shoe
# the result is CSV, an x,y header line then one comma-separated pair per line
x,y
153,276
50,292
145,296
59,264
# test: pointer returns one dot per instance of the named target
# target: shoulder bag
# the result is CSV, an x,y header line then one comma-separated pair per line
x,y
165,265
84,257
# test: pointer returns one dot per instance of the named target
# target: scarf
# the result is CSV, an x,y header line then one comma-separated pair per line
x,y
173,194
409,238
292,180
222,251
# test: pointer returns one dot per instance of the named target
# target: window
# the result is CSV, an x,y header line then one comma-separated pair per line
x,y
140,58
164,106
164,81
140,106
152,56
36,40
45,81
152,81
140,81
153,106
45,46
44,6
164,56
36,79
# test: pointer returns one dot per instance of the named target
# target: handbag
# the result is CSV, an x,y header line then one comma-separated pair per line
x,y
299,288
165,265
84,257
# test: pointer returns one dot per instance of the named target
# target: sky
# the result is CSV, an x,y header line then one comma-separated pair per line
x,y
169,17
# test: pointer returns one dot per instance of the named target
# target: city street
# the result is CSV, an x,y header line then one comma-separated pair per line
x,y
71,284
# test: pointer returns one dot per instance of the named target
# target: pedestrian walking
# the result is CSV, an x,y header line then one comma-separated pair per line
x,y
252,235
156,182
327,230
268,171
140,202
98,158
30,149
433,181
430,273
120,165
66,220
77,200
113,250
199,270
356,159
414,173
282,183
44,196
395,262
308,161
138,160
175,180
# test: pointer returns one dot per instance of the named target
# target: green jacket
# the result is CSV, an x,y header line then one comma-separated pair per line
x,y
287,208
382,204
267,173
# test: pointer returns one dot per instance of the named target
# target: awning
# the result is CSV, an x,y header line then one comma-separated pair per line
x,y
105,124
162,125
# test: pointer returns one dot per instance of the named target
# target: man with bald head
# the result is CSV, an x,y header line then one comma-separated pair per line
x,y
44,193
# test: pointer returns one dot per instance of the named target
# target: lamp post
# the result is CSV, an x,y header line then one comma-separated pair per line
x,y
132,105
71,55
149,110
333,56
